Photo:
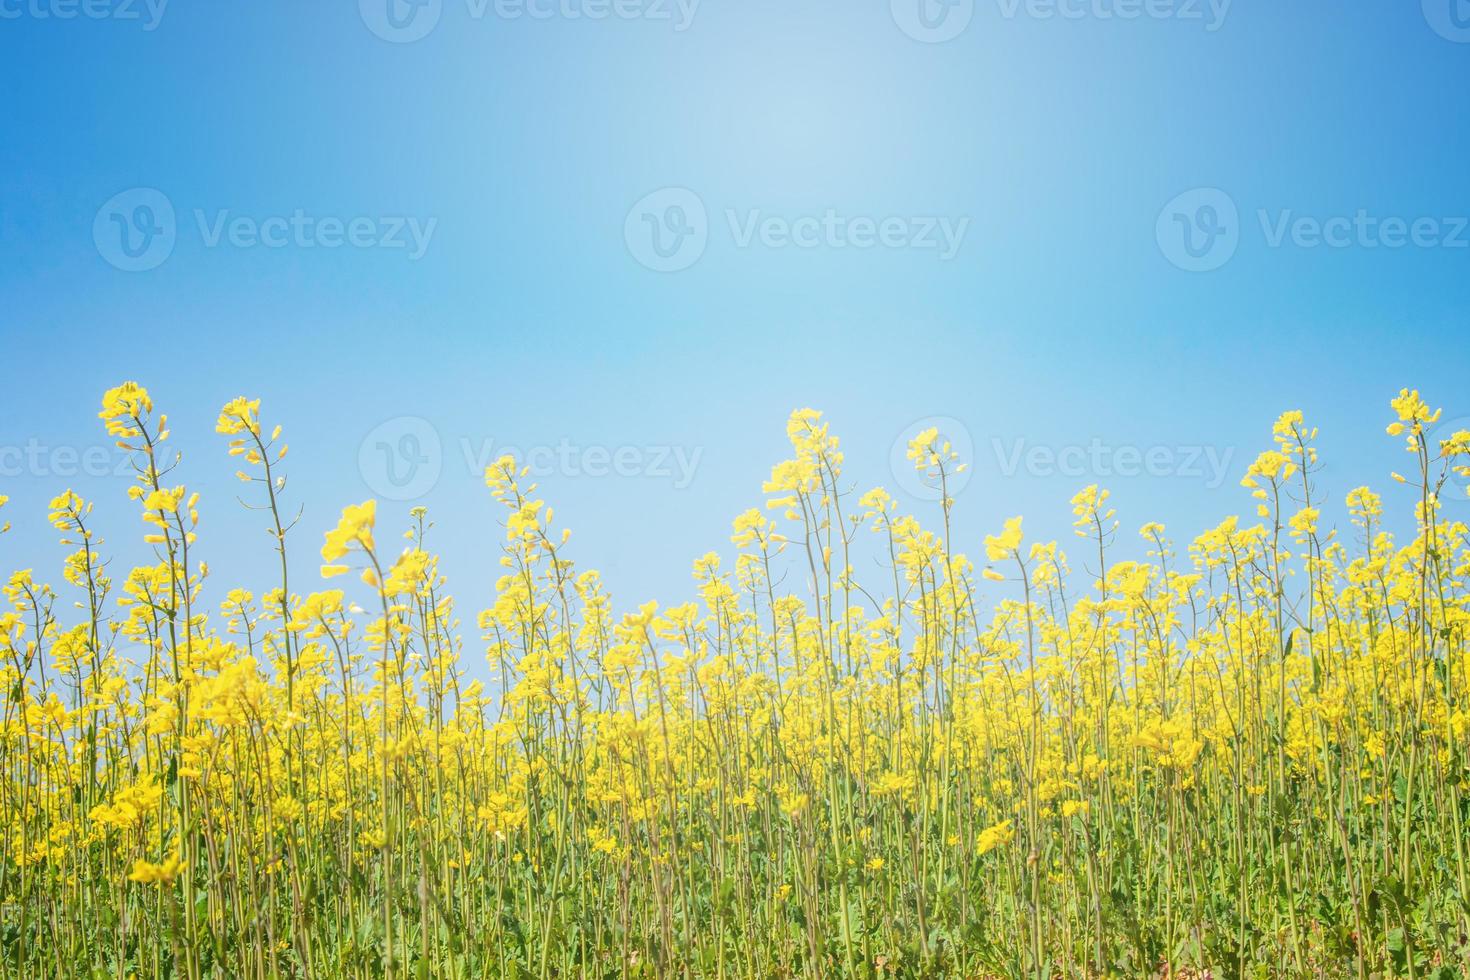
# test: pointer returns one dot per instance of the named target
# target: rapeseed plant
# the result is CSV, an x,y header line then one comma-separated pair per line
x,y
1247,757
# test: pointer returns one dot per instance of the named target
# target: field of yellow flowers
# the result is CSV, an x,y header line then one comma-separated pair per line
x,y
1244,757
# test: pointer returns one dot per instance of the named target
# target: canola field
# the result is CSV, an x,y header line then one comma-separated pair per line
x,y
1241,755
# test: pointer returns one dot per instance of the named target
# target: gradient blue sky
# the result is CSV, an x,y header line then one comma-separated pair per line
x,y
1062,320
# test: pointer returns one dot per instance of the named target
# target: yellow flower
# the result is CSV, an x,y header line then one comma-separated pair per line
x,y
239,415
123,407
1004,545
354,528
997,835
165,873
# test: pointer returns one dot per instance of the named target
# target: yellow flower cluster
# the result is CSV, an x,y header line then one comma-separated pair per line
x,y
844,755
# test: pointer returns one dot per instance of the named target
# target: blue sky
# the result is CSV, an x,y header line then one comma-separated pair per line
x,y
399,245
